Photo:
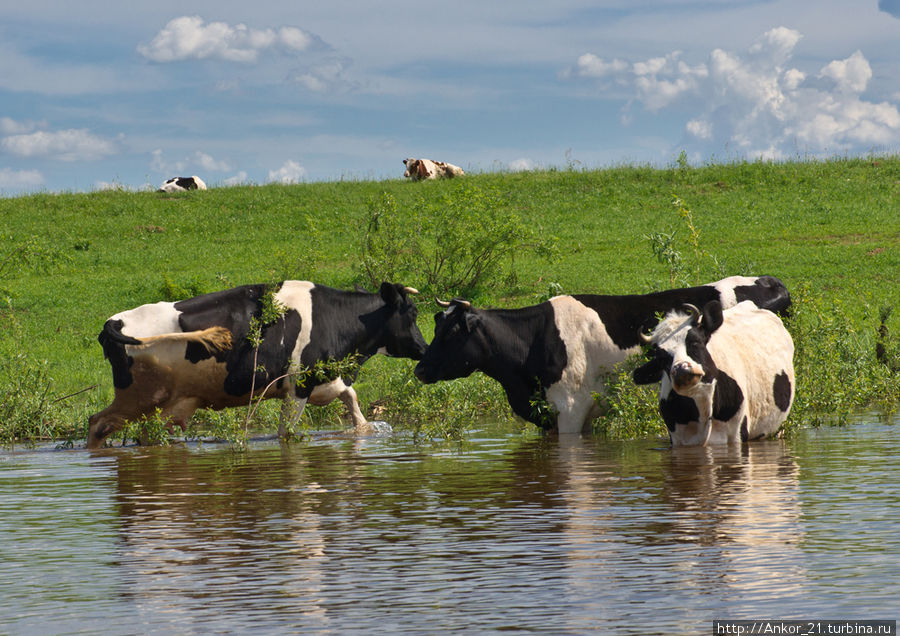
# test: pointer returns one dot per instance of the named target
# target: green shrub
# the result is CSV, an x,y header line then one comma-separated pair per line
x,y
835,363
629,411
26,407
173,291
444,410
455,244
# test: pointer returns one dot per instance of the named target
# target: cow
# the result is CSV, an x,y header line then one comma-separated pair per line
x,y
559,350
420,169
725,376
197,353
182,184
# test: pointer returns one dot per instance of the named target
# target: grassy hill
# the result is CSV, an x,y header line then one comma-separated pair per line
x,y
830,230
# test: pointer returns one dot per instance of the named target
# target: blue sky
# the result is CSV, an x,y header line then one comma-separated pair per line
x,y
94,95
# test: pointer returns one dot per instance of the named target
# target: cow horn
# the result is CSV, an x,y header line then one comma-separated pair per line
x,y
644,337
441,303
411,290
464,303
693,312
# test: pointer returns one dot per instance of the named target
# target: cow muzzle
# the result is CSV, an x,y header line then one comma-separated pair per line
x,y
685,376
423,374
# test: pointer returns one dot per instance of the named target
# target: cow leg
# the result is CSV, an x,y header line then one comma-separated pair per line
x,y
326,393
179,414
351,403
100,426
577,417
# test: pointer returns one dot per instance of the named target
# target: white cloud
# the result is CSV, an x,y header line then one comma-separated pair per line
x,y
659,80
700,129
9,126
851,75
112,185
188,37
64,145
290,172
755,103
238,179
199,161
589,65
327,76
206,162
776,46
16,179
662,80
521,165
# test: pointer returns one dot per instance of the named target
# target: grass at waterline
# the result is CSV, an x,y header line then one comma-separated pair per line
x,y
830,230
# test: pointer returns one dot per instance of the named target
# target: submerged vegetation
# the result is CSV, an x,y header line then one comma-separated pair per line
x,y
830,230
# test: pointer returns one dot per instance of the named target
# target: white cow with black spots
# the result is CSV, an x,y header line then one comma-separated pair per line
x,y
725,376
557,353
182,184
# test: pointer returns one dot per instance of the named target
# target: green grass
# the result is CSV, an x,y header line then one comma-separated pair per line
x,y
830,230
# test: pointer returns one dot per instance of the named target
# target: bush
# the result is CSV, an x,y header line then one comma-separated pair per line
x,y
457,244
25,402
835,363
630,411
445,410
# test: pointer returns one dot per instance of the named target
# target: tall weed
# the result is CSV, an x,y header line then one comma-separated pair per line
x,y
458,243
836,367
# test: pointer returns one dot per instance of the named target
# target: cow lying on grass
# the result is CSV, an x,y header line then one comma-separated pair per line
x,y
420,169
182,184
725,377
196,353
558,351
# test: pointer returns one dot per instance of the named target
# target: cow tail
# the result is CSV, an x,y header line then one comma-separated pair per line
x,y
214,339
112,333
113,342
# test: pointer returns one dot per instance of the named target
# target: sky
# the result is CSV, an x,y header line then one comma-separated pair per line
x,y
96,95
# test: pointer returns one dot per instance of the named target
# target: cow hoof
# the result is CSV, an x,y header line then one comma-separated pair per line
x,y
377,427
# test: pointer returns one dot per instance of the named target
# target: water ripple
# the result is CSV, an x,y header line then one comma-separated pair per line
x,y
508,532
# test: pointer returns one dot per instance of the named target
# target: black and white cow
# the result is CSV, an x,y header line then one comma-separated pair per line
x,y
559,350
182,184
725,376
195,353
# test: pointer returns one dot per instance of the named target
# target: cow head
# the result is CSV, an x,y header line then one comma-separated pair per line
x,y
400,337
766,292
415,169
410,167
683,366
678,346
458,347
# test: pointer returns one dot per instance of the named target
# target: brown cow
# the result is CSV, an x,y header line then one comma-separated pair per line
x,y
195,353
420,169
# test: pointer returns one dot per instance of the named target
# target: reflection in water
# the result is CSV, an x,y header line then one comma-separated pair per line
x,y
507,532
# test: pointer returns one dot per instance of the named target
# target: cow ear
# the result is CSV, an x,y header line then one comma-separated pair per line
x,y
390,293
649,373
712,316
404,161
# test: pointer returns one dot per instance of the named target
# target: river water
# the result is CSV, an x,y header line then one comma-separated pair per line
x,y
506,532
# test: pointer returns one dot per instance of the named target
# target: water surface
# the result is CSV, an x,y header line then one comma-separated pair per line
x,y
505,532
